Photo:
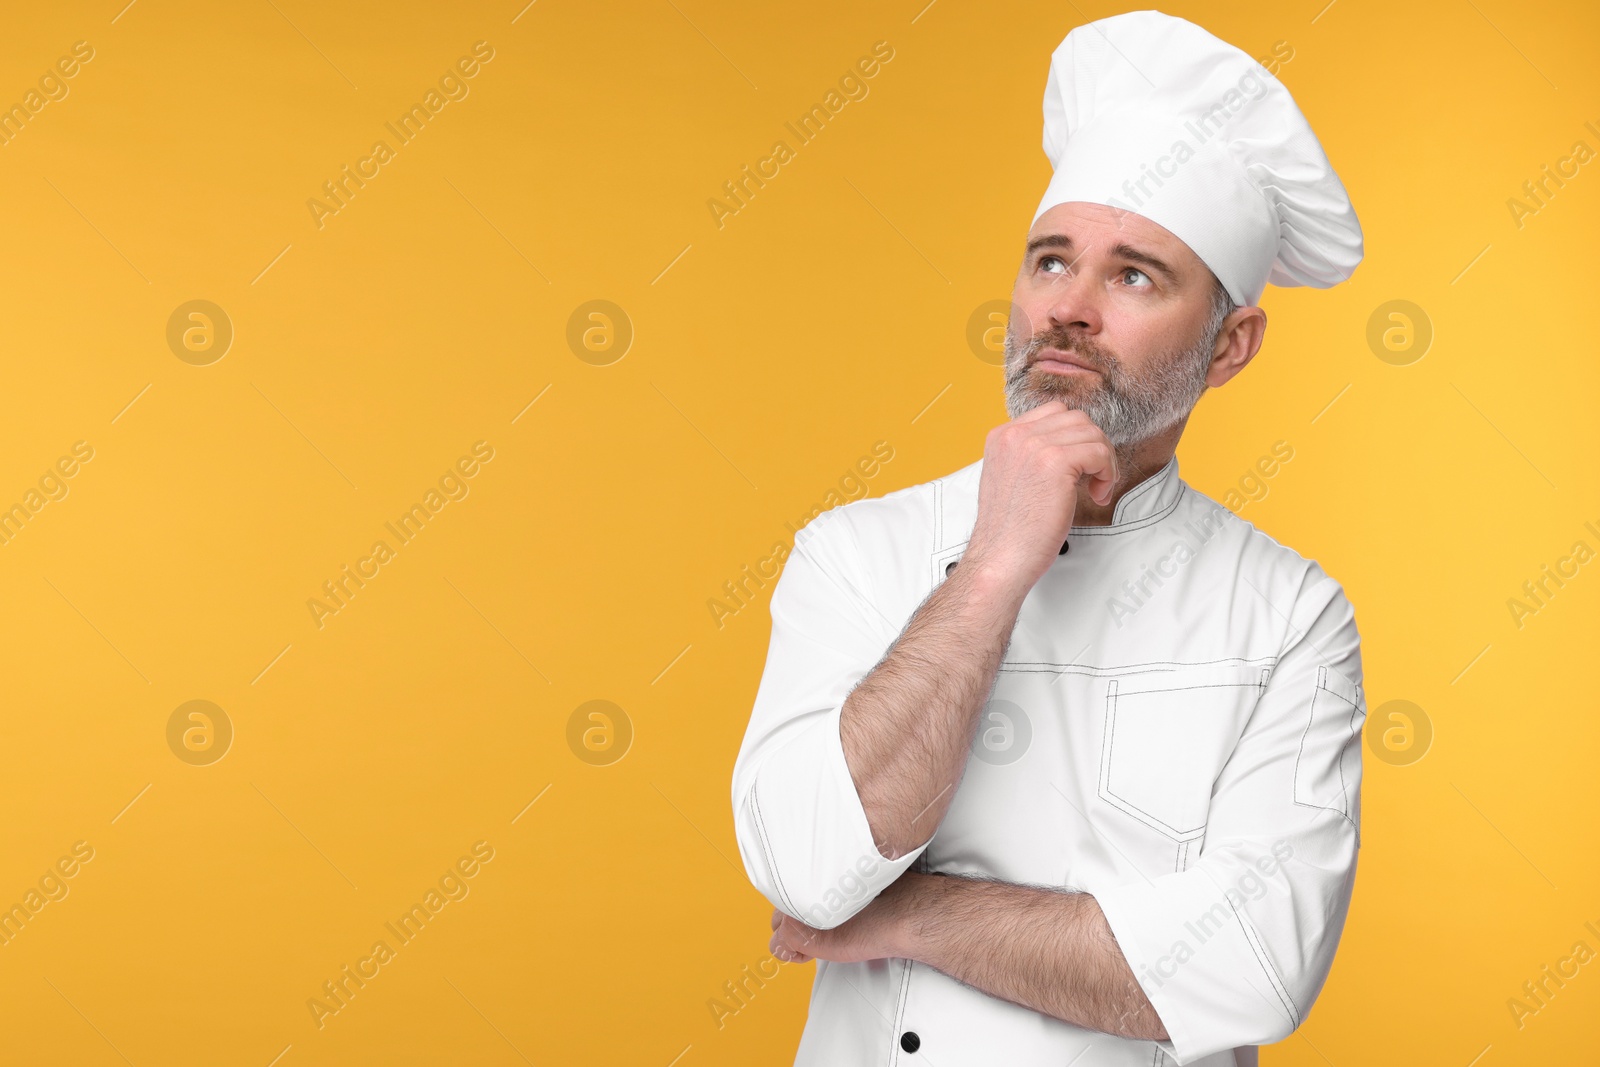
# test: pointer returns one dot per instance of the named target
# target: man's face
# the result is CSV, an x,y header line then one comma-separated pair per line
x,y
1111,314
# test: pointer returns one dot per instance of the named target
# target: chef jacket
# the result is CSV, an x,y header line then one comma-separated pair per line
x,y
1175,729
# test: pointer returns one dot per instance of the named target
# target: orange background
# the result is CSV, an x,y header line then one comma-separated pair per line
x,y
768,355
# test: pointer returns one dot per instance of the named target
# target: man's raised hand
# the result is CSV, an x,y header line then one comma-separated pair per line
x,y
1028,493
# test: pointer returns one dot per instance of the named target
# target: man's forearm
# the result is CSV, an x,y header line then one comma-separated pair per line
x,y
907,726
1049,951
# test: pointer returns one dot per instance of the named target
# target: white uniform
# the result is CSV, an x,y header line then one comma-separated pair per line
x,y
1175,729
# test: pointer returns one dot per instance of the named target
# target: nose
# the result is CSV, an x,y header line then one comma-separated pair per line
x,y
1073,300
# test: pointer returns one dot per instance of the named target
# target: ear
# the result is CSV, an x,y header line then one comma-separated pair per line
x,y
1237,343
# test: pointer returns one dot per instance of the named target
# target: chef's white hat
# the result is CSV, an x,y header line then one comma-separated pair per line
x,y
1151,114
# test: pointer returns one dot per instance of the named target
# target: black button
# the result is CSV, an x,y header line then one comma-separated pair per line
x,y
948,567
910,1041
1064,546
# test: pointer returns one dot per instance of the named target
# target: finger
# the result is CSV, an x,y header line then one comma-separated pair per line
x,y
777,917
1077,435
797,936
1100,468
1085,448
780,949
1063,431
1065,418
1069,432
1048,408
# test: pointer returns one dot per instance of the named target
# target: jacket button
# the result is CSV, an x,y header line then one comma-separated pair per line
x,y
1064,546
910,1041
948,567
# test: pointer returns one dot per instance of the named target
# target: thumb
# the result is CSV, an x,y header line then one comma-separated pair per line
x,y
1102,481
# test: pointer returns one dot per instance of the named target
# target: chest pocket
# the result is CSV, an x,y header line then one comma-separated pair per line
x,y
1168,733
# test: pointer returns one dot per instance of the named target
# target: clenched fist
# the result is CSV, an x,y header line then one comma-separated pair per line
x,y
1028,493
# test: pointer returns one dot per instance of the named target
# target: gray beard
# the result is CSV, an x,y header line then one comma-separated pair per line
x,y
1128,408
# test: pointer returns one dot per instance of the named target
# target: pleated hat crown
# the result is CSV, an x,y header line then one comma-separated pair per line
x,y
1149,113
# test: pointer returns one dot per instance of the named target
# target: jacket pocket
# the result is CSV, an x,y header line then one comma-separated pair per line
x,y
1168,732
1327,768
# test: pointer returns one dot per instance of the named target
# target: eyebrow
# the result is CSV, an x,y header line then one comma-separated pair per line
x,y
1122,250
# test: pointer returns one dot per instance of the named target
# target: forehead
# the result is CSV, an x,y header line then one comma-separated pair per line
x,y
1097,224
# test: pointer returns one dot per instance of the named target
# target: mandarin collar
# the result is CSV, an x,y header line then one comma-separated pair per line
x,y
1144,504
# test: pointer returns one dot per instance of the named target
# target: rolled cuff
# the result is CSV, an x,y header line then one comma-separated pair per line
x,y
804,835
1201,963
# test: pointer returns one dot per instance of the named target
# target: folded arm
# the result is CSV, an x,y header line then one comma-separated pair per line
x,y
1231,951
860,734
1050,951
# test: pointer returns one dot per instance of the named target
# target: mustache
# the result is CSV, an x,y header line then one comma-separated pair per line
x,y
1074,342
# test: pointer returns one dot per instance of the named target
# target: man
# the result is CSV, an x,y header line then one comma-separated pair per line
x,y
1055,760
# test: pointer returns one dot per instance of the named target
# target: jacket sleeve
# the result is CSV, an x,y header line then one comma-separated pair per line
x,y
802,831
1234,950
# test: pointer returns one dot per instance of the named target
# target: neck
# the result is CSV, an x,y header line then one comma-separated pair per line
x,y
1135,463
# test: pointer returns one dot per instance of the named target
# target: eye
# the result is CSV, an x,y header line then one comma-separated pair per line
x,y
1142,279
1052,259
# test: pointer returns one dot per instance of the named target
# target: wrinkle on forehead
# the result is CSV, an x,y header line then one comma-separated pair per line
x,y
1099,224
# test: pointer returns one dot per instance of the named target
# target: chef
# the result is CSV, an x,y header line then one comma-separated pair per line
x,y
1055,760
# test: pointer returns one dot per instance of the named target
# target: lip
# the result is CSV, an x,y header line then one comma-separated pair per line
x,y
1058,362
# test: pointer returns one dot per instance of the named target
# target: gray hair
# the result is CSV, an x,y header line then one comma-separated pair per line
x,y
1127,407
1222,306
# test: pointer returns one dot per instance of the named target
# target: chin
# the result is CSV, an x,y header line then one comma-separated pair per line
x,y
1026,401
1074,394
